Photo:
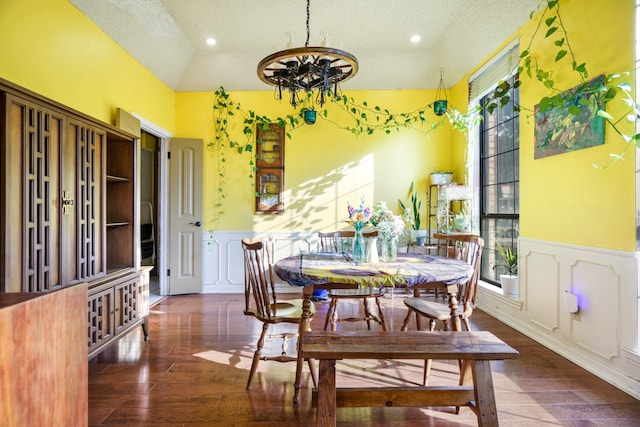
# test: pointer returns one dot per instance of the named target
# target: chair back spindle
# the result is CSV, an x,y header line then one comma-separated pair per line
x,y
259,289
465,247
340,241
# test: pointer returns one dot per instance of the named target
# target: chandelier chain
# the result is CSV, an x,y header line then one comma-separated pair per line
x,y
308,32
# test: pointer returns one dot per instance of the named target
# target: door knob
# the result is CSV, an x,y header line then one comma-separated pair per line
x,y
197,223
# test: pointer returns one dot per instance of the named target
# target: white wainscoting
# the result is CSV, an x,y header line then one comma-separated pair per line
x,y
603,336
223,270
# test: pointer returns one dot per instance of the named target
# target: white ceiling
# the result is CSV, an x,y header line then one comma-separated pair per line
x,y
168,37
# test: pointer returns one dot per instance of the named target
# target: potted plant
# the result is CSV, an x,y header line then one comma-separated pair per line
x,y
509,261
441,177
419,235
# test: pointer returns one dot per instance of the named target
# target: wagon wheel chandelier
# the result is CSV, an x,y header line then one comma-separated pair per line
x,y
307,69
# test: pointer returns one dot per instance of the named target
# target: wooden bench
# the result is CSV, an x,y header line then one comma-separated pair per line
x,y
474,349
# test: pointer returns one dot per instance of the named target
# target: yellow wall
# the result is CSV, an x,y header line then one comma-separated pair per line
x,y
325,167
51,48
564,198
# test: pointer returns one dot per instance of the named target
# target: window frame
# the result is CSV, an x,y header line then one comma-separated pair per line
x,y
498,223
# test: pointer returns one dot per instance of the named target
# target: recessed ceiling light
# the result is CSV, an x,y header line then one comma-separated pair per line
x,y
415,38
211,41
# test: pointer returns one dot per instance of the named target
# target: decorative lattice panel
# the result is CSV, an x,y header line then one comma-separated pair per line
x,y
100,318
127,308
88,146
41,193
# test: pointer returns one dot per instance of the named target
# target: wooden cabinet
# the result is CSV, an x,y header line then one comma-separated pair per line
x,y
68,211
117,304
269,169
44,368
33,231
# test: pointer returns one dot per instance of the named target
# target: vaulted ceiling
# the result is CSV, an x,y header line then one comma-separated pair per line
x,y
168,37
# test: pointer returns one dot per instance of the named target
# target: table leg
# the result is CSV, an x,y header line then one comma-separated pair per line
x,y
305,325
326,408
452,291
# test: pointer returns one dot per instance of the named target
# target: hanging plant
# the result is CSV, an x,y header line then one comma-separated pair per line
x,y
362,119
440,104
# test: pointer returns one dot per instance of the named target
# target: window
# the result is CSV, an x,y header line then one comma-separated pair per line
x,y
499,159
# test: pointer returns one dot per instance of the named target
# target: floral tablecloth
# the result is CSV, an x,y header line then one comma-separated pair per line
x,y
409,270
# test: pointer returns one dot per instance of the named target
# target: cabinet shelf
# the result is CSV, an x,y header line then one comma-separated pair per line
x,y
440,207
117,224
113,178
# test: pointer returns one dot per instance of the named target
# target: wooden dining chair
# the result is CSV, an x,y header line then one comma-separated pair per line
x,y
465,247
261,302
341,241
337,241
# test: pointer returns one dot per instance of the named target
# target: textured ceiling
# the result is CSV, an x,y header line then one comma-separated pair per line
x,y
168,37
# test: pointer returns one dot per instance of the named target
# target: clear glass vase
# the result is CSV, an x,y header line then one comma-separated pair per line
x,y
388,250
372,250
359,248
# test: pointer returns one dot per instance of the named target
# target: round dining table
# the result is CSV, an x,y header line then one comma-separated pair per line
x,y
410,271
337,271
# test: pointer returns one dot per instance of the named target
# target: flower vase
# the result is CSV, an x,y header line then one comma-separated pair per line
x,y
389,250
359,248
372,250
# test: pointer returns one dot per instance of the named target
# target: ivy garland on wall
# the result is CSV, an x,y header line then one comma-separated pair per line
x,y
364,119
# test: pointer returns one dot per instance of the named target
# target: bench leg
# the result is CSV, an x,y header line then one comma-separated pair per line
x,y
326,409
485,398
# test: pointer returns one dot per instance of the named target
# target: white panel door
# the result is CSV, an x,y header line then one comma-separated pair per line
x,y
185,216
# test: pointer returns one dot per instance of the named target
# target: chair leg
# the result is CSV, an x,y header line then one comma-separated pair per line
x,y
406,319
334,315
257,354
367,313
314,376
465,322
427,371
381,315
416,294
331,312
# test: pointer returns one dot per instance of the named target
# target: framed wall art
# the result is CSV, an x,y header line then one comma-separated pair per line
x,y
570,121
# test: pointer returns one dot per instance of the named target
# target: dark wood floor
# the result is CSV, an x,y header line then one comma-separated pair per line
x,y
194,369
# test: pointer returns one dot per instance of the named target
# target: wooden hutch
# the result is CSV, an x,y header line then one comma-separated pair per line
x,y
68,215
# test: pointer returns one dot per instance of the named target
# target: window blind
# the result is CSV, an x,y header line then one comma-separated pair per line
x,y
502,66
